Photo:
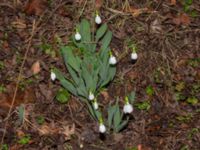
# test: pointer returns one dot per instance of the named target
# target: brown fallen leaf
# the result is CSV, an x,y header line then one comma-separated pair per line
x,y
182,19
36,67
22,97
98,4
136,12
35,7
173,2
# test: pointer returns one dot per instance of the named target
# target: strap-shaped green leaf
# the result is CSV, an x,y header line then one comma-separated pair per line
x,y
87,76
101,31
122,125
81,89
131,97
64,82
111,112
86,34
106,41
70,59
117,116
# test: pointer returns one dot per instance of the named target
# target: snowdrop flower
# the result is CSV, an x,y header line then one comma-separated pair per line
x,y
91,96
112,60
98,19
53,76
95,104
102,128
128,108
77,35
134,56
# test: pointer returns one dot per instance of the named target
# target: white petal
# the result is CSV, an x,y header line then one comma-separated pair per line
x,y
98,19
134,56
77,36
91,96
128,108
112,60
53,76
102,128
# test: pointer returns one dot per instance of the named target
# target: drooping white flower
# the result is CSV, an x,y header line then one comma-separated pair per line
x,y
53,76
77,36
95,104
102,128
128,108
91,96
98,19
134,56
112,60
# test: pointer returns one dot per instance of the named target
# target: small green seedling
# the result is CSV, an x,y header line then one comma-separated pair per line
x,y
143,105
62,96
24,140
149,90
2,88
40,120
2,65
193,132
4,147
192,100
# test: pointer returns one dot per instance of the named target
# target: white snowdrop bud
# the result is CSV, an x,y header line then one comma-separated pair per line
x,y
77,36
95,105
91,96
98,19
53,76
134,56
102,128
112,60
128,108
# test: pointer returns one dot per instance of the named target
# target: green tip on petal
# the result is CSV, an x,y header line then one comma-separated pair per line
x,y
100,120
97,12
110,53
126,100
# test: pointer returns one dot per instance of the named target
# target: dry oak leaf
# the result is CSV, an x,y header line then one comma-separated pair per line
x,y
173,2
35,7
98,4
182,19
36,67
136,12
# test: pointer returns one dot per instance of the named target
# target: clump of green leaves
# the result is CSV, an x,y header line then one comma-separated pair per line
x,y
149,90
40,120
2,88
143,105
24,140
87,61
62,96
117,120
2,65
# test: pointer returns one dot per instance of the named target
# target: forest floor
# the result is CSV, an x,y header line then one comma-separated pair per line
x,y
165,78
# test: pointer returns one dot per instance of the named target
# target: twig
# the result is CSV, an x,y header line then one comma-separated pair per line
x,y
18,81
